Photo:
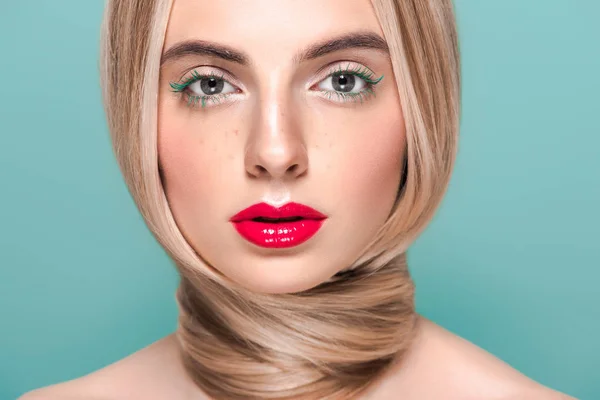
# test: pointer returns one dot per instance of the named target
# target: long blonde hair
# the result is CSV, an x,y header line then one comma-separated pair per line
x,y
334,340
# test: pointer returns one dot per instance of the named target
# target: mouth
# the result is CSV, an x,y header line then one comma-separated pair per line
x,y
263,212
270,227
276,220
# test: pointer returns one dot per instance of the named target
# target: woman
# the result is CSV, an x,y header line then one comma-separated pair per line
x,y
286,154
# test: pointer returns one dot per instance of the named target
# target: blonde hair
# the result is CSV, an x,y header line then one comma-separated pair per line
x,y
334,340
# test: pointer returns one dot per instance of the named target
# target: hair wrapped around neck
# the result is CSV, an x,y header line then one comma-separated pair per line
x,y
332,341
329,342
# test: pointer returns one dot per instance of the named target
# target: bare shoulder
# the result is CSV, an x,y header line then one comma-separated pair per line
x,y
153,372
444,365
440,365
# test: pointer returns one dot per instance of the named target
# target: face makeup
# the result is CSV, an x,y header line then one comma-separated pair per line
x,y
270,227
280,105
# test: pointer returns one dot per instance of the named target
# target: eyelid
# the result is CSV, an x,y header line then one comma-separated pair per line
x,y
212,71
350,66
323,73
330,70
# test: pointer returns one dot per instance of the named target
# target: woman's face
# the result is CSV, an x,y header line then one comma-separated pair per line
x,y
284,103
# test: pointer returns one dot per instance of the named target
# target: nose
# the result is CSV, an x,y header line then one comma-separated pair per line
x,y
276,147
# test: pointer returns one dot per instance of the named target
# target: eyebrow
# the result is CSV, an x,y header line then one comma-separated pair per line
x,y
354,40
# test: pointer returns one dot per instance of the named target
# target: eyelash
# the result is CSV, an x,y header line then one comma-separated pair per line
x,y
362,72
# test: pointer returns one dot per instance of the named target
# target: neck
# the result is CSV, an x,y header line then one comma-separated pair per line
x,y
334,341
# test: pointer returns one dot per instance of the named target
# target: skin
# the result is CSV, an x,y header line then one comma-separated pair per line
x,y
347,159
441,365
280,139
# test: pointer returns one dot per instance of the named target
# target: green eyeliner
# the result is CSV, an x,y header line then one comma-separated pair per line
x,y
362,72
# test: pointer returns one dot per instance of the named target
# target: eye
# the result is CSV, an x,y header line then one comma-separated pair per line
x,y
210,85
201,89
345,84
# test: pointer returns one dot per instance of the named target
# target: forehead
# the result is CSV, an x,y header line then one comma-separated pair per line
x,y
268,26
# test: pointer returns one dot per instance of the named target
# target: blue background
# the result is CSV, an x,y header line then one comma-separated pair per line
x,y
511,261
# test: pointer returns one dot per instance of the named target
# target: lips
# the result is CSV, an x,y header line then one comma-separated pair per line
x,y
287,211
271,227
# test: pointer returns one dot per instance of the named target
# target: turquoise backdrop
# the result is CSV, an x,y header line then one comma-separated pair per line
x,y
511,261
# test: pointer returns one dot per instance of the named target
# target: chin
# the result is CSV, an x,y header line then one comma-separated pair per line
x,y
280,275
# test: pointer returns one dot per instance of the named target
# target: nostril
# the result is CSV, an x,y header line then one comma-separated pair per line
x,y
259,170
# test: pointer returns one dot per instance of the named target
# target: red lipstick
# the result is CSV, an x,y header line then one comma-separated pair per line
x,y
286,226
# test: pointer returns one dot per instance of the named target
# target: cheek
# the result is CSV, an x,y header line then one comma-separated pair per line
x,y
372,163
183,156
179,160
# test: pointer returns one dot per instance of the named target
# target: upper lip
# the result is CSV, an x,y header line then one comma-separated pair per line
x,y
289,210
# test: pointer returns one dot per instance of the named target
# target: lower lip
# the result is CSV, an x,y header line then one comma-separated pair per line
x,y
278,235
